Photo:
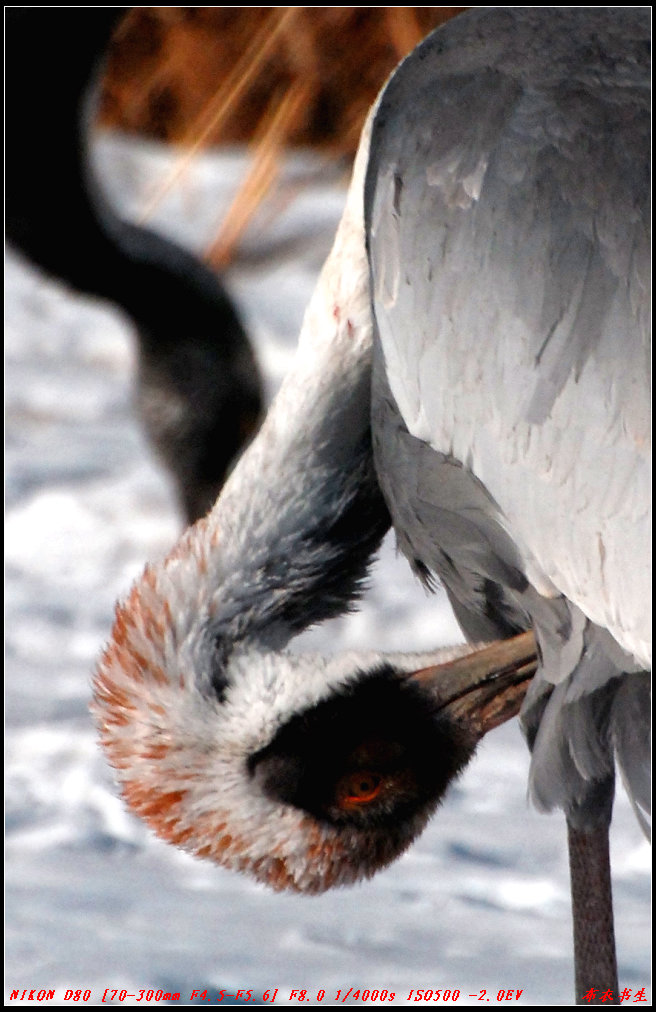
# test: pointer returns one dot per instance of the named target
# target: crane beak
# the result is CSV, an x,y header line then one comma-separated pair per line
x,y
485,688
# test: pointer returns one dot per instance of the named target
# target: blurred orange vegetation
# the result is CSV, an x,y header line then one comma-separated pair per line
x,y
271,77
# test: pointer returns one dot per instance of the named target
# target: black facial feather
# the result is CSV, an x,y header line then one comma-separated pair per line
x,y
373,755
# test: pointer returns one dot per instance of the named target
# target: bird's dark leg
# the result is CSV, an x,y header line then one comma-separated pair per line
x,y
592,910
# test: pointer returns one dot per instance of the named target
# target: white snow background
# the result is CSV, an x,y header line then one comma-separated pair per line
x,y
93,899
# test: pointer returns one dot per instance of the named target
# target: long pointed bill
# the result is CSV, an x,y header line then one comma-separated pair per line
x,y
484,688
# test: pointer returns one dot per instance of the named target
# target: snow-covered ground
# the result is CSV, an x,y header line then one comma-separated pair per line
x,y
94,901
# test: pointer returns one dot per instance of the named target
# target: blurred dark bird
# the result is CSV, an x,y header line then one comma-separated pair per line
x,y
199,390
473,366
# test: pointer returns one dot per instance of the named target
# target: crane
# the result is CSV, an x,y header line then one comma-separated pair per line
x,y
472,369
199,392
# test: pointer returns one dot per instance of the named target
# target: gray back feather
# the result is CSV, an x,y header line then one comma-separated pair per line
x,y
507,223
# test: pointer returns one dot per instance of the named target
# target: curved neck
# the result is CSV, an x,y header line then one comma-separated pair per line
x,y
302,514
299,538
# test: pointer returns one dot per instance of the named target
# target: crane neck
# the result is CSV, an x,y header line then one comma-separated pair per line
x,y
290,538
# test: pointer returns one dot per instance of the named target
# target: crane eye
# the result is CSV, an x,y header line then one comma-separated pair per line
x,y
358,788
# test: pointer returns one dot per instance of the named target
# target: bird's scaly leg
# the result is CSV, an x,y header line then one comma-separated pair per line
x,y
592,911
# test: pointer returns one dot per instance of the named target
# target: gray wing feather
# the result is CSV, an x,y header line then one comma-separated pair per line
x,y
520,345
506,209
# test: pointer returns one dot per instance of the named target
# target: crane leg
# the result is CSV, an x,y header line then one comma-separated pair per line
x,y
595,961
